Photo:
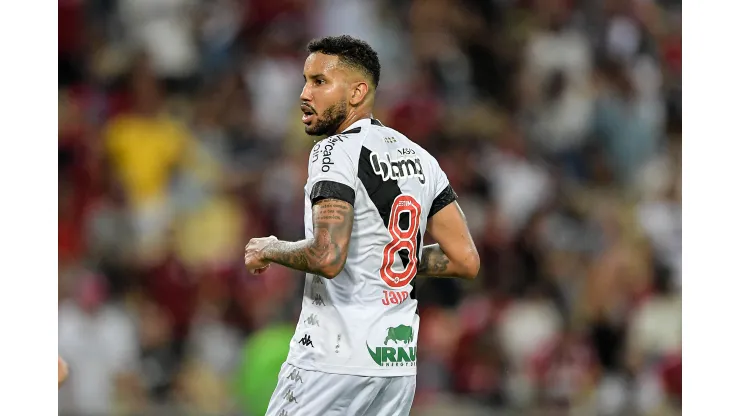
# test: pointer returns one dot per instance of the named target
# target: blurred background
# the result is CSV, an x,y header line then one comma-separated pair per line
x,y
558,123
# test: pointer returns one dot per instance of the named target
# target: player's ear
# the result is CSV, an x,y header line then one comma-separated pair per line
x,y
359,92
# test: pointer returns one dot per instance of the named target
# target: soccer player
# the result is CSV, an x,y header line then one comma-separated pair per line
x,y
371,195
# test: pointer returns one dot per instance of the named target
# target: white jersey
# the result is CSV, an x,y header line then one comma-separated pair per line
x,y
364,321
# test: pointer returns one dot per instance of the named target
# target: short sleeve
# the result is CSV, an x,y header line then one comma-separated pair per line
x,y
332,170
443,192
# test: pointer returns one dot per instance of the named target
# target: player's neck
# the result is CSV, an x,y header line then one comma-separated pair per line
x,y
352,118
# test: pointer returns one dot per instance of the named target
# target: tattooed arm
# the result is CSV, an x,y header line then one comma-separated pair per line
x,y
326,252
455,254
433,262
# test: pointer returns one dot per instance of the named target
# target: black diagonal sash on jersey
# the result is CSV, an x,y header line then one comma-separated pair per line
x,y
383,193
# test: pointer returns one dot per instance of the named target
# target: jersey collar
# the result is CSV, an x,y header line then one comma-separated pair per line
x,y
363,123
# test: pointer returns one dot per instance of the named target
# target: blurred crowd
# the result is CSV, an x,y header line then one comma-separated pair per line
x,y
558,123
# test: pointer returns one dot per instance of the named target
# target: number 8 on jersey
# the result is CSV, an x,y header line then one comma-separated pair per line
x,y
401,239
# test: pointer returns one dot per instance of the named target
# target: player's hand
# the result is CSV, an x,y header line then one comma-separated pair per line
x,y
254,258
63,371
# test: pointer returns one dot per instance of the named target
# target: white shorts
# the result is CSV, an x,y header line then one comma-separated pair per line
x,y
314,393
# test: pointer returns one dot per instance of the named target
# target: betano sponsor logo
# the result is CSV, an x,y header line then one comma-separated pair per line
x,y
396,356
405,166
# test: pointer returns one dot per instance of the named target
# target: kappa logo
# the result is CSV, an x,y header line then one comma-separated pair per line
x,y
283,413
399,356
312,320
295,375
317,281
318,300
289,397
306,341
406,166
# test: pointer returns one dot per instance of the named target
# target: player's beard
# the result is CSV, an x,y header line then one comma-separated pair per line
x,y
329,121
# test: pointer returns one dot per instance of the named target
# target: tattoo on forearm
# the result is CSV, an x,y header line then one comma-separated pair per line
x,y
325,253
433,262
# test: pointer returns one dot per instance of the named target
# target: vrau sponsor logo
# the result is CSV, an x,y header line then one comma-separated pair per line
x,y
395,356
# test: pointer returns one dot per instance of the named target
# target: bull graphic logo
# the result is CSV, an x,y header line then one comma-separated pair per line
x,y
401,333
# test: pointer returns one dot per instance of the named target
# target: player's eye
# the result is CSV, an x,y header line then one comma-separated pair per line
x,y
320,82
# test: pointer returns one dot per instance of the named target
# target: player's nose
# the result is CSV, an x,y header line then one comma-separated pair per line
x,y
306,94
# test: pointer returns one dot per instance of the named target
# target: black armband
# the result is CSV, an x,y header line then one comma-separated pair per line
x,y
332,190
446,197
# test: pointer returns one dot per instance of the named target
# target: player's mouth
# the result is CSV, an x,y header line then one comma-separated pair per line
x,y
308,114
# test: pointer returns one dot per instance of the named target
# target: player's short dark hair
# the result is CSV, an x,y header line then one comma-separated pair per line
x,y
351,51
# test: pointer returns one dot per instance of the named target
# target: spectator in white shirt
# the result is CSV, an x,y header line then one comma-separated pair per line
x,y
99,341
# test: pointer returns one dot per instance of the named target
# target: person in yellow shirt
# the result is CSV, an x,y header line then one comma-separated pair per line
x,y
145,147
144,152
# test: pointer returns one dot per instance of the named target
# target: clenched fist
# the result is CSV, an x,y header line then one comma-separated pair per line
x,y
254,254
